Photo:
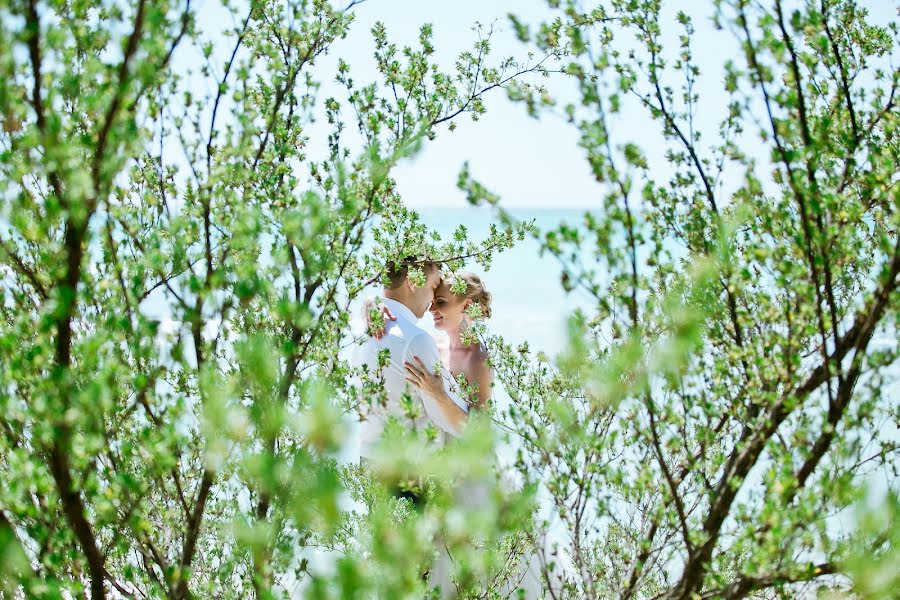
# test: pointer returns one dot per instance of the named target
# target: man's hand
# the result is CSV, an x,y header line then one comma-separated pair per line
x,y
377,315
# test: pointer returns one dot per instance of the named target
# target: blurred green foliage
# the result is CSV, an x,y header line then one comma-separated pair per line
x,y
177,263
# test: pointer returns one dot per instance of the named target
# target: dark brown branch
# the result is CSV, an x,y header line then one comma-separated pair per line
x,y
25,270
486,89
633,311
710,196
545,571
314,50
845,86
351,5
263,556
688,145
119,587
124,75
836,411
73,505
141,400
753,58
641,559
185,22
667,473
811,174
114,254
159,560
887,109
193,532
75,512
33,29
837,408
221,91
748,584
167,279
754,438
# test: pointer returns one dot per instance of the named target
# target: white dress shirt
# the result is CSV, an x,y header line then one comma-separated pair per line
x,y
404,340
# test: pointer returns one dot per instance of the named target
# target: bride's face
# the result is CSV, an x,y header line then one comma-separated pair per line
x,y
447,309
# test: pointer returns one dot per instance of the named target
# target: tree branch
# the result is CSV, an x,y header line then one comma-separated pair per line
x,y
747,584
486,89
221,91
193,532
811,174
33,27
754,438
111,112
25,270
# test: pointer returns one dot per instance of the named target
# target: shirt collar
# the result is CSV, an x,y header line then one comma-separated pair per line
x,y
401,310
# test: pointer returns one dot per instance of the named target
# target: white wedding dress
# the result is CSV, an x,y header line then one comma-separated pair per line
x,y
473,494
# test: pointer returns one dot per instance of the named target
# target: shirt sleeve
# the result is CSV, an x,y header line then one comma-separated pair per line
x,y
424,347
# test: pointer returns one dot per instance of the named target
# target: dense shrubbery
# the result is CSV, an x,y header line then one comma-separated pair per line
x,y
178,260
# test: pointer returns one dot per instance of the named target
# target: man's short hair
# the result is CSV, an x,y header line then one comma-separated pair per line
x,y
397,271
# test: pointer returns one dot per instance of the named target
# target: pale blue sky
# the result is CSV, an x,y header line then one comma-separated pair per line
x,y
506,148
530,163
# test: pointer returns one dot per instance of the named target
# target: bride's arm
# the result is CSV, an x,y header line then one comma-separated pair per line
x,y
433,385
484,381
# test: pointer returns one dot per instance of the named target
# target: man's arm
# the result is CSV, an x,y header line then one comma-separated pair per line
x,y
449,410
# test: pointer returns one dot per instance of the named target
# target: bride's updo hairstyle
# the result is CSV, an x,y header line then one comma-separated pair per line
x,y
476,292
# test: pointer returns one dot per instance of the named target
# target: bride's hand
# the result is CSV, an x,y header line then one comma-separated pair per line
x,y
424,379
386,313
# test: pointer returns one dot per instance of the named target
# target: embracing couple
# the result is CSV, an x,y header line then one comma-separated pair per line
x,y
414,355
427,369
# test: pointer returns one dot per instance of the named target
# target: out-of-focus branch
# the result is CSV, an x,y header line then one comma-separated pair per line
x,y
747,584
24,269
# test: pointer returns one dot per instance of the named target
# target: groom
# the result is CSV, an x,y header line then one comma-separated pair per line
x,y
404,341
